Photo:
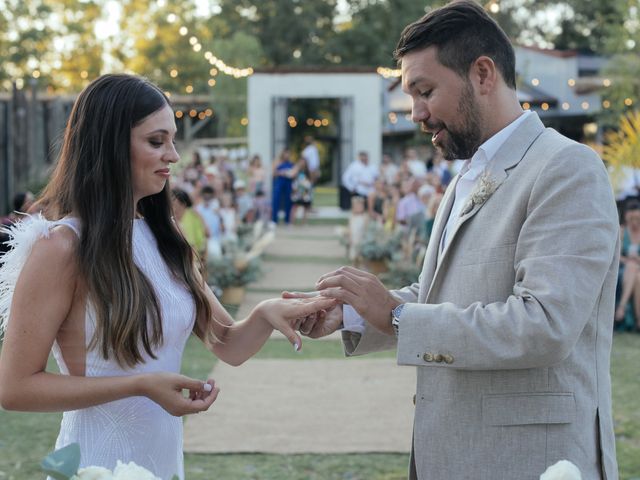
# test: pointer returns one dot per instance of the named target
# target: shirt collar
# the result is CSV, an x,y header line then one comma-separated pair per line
x,y
476,165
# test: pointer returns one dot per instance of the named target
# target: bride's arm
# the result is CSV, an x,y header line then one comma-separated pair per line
x,y
242,340
41,302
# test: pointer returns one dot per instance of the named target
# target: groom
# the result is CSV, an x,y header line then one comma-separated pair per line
x,y
510,323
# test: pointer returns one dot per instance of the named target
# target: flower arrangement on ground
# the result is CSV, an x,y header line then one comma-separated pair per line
x,y
63,465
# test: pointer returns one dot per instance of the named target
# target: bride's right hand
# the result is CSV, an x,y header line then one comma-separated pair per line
x,y
166,389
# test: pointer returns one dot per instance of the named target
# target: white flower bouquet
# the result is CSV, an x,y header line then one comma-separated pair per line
x,y
562,470
63,465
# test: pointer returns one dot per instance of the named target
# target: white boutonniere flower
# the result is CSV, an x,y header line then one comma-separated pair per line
x,y
562,470
483,189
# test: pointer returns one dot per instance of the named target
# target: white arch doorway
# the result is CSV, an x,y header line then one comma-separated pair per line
x,y
360,93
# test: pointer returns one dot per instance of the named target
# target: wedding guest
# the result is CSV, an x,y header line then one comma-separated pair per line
x,y
256,175
229,216
509,325
358,220
191,224
209,210
244,202
630,264
301,189
281,191
376,200
111,286
359,176
417,166
388,170
409,204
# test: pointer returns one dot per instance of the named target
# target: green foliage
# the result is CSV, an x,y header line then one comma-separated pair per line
x,y
232,271
624,72
31,29
291,32
371,35
623,145
401,274
377,244
62,464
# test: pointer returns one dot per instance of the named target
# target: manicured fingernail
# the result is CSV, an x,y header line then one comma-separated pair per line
x,y
207,387
296,347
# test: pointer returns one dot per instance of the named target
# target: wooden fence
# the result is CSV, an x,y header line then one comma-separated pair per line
x,y
31,128
32,125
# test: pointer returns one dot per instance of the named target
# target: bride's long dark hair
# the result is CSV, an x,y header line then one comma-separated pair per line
x,y
93,181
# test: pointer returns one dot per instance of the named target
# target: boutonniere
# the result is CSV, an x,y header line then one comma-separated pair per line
x,y
483,189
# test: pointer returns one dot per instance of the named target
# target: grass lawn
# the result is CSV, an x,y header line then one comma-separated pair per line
x,y
26,438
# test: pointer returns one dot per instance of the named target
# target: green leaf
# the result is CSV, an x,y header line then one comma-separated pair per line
x,y
62,464
175,477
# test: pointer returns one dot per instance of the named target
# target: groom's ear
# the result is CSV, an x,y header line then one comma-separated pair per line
x,y
484,75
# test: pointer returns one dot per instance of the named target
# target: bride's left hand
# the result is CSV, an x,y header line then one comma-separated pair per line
x,y
286,315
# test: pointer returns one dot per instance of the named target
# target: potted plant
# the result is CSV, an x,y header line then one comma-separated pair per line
x,y
231,273
376,248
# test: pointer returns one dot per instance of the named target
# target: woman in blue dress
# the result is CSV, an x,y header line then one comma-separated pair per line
x,y
281,192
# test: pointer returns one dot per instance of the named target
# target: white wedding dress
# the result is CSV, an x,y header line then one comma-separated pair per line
x,y
132,429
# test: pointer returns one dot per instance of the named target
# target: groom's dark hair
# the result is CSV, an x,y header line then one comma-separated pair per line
x,y
462,31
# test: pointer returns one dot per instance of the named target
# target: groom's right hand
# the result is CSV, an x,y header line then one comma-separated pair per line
x,y
320,324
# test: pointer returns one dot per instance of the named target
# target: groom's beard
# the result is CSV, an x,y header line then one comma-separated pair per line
x,y
461,142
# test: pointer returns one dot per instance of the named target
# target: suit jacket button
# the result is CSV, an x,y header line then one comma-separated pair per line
x,y
438,358
448,359
414,399
428,357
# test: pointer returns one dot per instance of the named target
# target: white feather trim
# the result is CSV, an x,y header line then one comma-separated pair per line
x,y
22,236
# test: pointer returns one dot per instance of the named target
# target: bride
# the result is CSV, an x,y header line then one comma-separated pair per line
x,y
112,287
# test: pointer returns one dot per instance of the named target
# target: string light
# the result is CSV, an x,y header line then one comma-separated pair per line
x,y
244,121
179,114
218,65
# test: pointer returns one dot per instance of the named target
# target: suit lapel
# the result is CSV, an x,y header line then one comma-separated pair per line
x,y
506,158
433,248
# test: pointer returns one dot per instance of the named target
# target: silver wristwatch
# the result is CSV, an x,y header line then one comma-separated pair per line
x,y
395,317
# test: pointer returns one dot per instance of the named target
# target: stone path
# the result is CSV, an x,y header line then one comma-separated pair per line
x,y
305,406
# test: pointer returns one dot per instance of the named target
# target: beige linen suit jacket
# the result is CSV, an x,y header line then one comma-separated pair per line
x,y
510,327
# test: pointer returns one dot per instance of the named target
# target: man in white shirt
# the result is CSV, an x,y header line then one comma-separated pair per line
x,y
312,156
359,176
417,166
509,325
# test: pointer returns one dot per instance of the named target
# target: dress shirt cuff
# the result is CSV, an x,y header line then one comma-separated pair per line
x,y
351,320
